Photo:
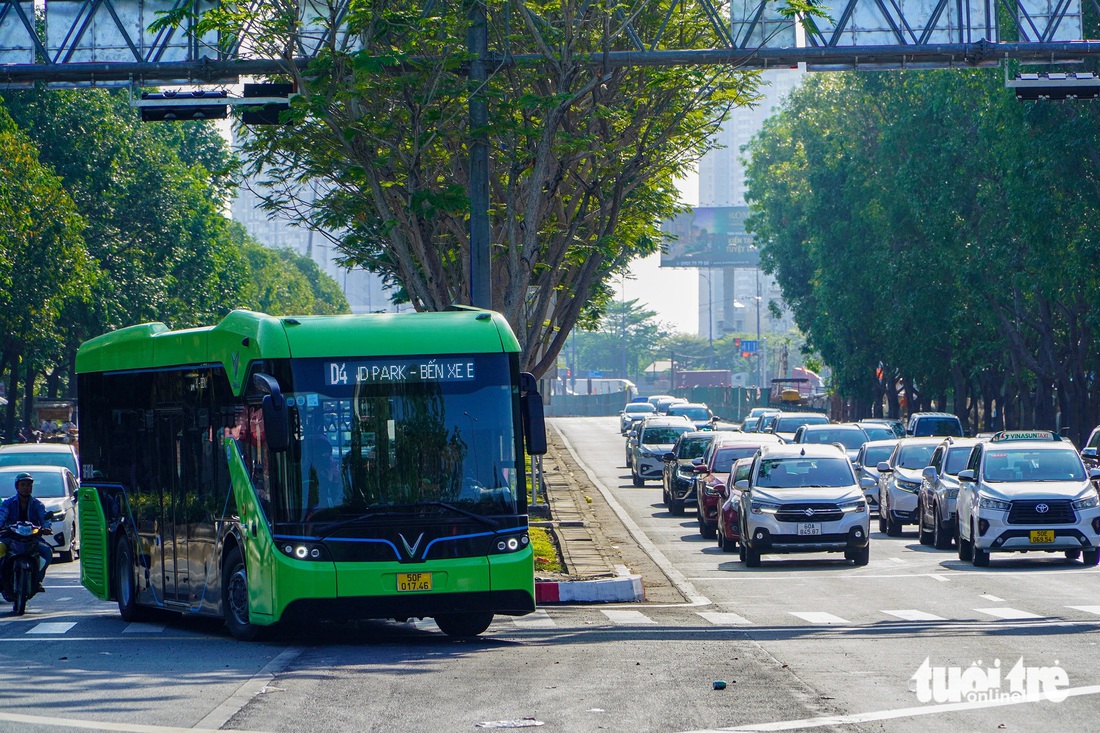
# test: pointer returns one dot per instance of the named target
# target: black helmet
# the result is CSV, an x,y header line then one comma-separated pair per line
x,y
24,477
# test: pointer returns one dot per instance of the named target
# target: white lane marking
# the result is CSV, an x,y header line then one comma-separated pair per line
x,y
1012,614
724,618
141,628
537,620
940,578
895,559
819,617
86,725
628,617
914,615
1087,609
995,599
52,627
950,707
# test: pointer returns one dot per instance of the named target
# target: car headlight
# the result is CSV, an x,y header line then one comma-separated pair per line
x,y
910,487
951,493
1087,503
996,505
855,505
712,490
685,473
763,507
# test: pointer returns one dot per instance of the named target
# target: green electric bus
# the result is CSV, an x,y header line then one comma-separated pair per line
x,y
311,468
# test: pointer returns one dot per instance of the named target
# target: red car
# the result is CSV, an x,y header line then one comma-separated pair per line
x,y
713,470
729,517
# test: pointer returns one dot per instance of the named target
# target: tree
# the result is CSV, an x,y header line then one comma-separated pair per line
x,y
44,267
583,155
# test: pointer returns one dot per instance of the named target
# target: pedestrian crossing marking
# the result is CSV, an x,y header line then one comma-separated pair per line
x,y
724,619
1087,609
537,620
995,599
142,628
819,617
628,617
52,627
1008,614
910,614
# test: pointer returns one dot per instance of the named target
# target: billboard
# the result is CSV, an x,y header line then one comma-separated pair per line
x,y
710,237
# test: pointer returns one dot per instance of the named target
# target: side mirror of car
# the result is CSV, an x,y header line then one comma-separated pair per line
x,y
1088,453
1094,474
968,475
742,485
929,473
884,467
867,482
670,456
699,468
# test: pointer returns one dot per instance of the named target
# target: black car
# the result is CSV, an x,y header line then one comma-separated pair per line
x,y
678,481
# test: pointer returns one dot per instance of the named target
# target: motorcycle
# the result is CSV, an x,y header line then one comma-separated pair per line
x,y
19,566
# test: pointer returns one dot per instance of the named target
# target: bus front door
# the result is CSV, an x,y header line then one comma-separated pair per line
x,y
173,535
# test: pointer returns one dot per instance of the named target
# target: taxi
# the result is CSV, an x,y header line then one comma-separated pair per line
x,y
1027,491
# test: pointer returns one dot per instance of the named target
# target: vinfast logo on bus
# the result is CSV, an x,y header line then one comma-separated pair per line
x,y
399,371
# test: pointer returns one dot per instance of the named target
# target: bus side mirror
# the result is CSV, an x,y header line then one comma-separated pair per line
x,y
531,415
276,423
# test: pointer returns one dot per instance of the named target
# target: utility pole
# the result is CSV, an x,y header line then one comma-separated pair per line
x,y
477,41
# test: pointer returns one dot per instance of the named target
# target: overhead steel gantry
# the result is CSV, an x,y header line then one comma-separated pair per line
x,y
74,43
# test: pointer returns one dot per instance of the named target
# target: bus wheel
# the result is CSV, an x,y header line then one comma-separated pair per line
x,y
235,598
463,624
125,587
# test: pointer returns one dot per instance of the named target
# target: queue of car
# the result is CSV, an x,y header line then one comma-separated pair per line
x,y
794,482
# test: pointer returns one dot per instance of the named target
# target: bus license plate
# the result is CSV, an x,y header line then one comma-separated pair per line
x,y
1039,536
806,529
414,581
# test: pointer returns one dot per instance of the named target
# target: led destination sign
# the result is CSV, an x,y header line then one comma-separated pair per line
x,y
399,371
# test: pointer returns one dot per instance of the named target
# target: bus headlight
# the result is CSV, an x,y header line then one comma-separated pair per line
x,y
510,543
303,550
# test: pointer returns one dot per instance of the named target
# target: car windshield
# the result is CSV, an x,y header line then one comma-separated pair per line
x,y
692,413
669,434
937,426
874,455
693,447
1033,465
914,456
750,424
791,424
64,460
725,458
637,408
957,459
794,473
878,432
46,484
851,439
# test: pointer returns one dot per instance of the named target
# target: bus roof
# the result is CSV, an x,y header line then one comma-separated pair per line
x,y
245,336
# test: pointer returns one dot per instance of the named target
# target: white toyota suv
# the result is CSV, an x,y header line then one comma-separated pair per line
x,y
802,498
1027,491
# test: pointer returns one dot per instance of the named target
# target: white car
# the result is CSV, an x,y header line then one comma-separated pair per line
x,y
40,454
802,498
654,439
56,487
632,412
899,479
1027,491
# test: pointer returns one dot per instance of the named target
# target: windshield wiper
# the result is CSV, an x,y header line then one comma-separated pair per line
x,y
476,517
372,515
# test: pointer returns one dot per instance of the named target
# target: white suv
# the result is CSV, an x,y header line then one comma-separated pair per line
x,y
802,498
655,438
1027,491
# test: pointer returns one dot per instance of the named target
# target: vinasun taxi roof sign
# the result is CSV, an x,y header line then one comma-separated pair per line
x,y
1006,435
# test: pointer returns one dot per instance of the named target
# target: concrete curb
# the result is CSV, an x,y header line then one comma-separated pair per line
x,y
623,589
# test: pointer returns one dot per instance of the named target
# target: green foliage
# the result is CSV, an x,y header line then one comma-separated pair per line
x,y
583,157
930,223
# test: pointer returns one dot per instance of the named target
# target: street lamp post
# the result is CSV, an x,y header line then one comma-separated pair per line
x,y
759,343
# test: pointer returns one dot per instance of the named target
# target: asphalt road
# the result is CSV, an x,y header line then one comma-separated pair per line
x,y
802,643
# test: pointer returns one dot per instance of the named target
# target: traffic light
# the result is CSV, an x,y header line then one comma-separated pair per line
x,y
173,106
269,95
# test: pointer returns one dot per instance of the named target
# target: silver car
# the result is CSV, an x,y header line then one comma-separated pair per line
x,y
939,490
899,482
866,463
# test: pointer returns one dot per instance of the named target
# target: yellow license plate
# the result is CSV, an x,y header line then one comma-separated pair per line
x,y
1042,535
415,581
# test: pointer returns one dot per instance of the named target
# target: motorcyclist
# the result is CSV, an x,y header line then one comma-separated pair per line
x,y
25,508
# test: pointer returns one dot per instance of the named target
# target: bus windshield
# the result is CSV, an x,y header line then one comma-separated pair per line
x,y
378,436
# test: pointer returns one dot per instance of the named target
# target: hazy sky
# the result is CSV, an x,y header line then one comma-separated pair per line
x,y
672,292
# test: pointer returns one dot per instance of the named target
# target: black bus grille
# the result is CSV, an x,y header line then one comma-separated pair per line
x,y
1041,512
